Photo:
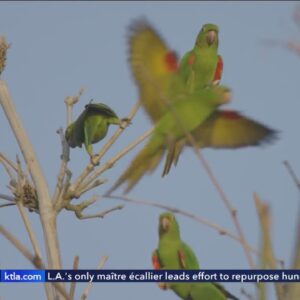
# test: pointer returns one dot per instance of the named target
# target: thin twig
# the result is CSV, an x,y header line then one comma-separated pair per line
x,y
292,173
7,198
268,255
59,205
36,261
29,229
78,208
91,186
73,283
230,208
65,156
70,101
7,170
90,167
198,219
89,285
110,163
23,213
7,204
9,162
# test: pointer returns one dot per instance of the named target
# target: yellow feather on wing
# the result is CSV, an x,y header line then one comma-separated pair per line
x,y
153,66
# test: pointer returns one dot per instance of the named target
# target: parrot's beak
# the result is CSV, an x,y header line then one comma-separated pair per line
x,y
211,36
165,224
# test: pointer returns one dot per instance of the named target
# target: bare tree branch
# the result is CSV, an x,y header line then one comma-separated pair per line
x,y
292,173
47,213
70,101
175,210
268,258
65,157
7,198
78,208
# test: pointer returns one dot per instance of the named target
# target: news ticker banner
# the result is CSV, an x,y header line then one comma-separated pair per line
x,y
150,275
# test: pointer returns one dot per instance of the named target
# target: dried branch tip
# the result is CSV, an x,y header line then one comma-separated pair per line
x,y
3,48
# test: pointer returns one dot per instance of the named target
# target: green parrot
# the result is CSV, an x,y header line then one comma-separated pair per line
x,y
159,80
184,116
173,253
91,126
166,98
202,65
198,68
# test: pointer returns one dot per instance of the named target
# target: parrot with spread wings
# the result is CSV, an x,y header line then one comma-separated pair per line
x,y
163,83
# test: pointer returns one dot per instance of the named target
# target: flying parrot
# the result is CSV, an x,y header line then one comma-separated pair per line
x,y
91,126
184,115
166,99
155,70
173,253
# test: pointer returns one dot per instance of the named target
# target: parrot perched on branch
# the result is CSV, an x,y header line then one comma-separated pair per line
x,y
173,253
202,65
91,126
183,116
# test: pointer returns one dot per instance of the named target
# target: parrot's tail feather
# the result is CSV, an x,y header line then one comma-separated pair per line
x,y
270,137
169,160
146,161
137,171
174,152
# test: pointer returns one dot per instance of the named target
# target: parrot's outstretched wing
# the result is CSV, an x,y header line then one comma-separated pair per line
x,y
153,66
230,129
225,129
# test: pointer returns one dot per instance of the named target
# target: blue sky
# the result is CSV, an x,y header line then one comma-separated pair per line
x,y
57,47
